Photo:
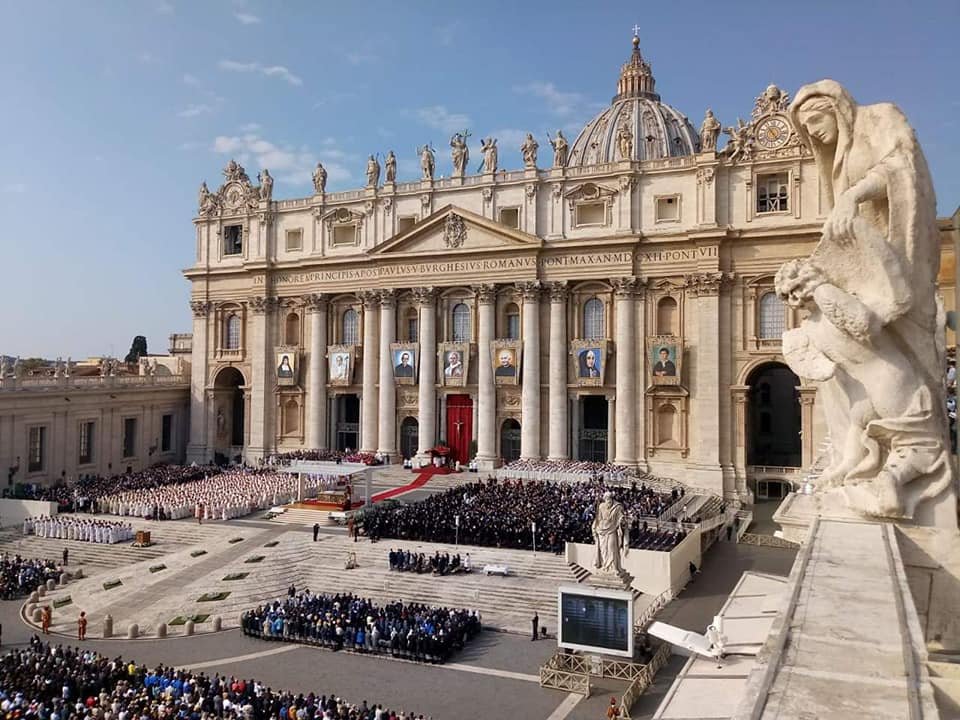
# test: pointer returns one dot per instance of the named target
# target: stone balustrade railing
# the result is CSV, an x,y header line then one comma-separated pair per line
x,y
86,382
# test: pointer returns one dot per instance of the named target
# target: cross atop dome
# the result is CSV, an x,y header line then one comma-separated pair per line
x,y
636,78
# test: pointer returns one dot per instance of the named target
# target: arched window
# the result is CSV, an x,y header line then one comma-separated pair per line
x,y
351,328
232,332
773,317
292,330
667,316
593,319
461,323
512,313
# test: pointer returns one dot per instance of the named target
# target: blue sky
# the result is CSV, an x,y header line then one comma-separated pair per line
x,y
113,112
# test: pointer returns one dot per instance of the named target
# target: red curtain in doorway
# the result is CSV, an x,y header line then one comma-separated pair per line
x,y
459,426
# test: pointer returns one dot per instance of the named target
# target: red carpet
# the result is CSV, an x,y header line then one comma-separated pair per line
x,y
419,481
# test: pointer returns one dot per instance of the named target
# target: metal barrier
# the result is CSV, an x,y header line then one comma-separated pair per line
x,y
563,680
767,541
644,679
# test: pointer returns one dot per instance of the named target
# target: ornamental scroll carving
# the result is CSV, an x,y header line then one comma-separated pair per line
x,y
530,290
454,231
559,291
707,284
315,303
486,294
200,308
424,296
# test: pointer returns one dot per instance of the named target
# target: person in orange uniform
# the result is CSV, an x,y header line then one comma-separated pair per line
x,y
46,615
82,626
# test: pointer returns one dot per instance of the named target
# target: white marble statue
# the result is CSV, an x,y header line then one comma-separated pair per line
x,y
320,179
709,132
427,161
625,142
5,367
610,535
560,147
874,335
459,153
390,167
529,151
266,184
373,172
488,148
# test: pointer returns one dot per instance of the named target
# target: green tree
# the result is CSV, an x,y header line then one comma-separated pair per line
x,y
137,349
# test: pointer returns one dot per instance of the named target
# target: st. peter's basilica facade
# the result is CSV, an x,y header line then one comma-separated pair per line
x,y
612,300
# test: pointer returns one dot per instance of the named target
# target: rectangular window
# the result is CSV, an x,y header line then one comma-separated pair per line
x,y
129,437
412,329
345,234
510,217
294,239
37,449
591,214
405,223
772,193
85,456
166,433
513,326
668,208
233,240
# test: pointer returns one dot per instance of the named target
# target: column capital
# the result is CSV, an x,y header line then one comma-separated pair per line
x,y
627,287
559,291
388,297
316,302
424,296
530,290
486,294
370,298
708,283
200,308
260,305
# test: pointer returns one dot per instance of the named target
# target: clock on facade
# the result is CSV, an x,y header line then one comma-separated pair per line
x,y
773,132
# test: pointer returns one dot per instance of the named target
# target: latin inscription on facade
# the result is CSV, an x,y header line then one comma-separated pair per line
x,y
678,255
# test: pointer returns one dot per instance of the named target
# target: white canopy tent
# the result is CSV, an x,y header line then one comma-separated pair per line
x,y
327,468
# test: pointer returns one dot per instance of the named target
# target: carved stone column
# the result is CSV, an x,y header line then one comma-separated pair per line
x,y
259,351
626,414
740,395
387,444
706,393
808,396
427,391
486,392
530,392
200,408
559,421
368,409
317,373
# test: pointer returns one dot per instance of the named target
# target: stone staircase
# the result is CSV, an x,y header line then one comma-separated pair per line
x,y
303,518
579,572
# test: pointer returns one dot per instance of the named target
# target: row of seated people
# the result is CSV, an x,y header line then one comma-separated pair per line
x,y
85,493
84,529
503,513
56,682
437,564
643,537
19,576
226,495
347,456
347,622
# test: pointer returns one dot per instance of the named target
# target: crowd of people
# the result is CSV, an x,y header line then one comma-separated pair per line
x,y
223,496
503,513
531,469
86,493
437,564
347,456
346,622
56,682
67,527
19,576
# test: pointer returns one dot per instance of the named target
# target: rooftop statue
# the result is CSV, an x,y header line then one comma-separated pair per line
x,y
560,148
489,149
460,153
320,179
874,337
373,172
529,151
709,132
390,165
266,184
427,161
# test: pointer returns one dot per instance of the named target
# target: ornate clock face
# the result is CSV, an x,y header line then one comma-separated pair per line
x,y
773,133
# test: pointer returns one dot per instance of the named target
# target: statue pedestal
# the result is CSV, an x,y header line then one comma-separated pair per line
x,y
610,580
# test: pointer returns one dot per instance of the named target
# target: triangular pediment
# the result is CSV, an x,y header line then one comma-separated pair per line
x,y
453,230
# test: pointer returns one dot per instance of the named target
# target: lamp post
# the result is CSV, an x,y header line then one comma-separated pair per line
x,y
533,530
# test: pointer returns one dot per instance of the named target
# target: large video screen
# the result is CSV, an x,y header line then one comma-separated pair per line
x,y
596,621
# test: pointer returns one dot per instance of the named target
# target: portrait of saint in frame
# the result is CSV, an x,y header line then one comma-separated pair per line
x,y
404,360
590,362
506,364
286,367
664,362
341,367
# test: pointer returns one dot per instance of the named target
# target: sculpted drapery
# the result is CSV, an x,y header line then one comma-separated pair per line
x,y
874,334
609,535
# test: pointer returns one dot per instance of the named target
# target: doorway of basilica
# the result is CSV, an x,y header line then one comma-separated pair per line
x,y
593,433
459,427
228,413
510,440
409,437
347,427
773,417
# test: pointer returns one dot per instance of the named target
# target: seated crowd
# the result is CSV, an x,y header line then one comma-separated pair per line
x,y
325,456
56,683
437,564
587,470
499,513
228,494
86,492
347,622
19,576
67,527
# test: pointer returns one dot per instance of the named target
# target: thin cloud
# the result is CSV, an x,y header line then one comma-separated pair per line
x,y
357,58
447,34
289,164
15,188
163,8
266,70
558,102
194,110
247,18
191,80
438,117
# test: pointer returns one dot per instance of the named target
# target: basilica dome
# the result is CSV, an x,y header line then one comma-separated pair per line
x,y
636,126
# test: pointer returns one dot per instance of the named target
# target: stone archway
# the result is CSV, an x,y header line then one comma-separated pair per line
x,y
773,418
229,412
